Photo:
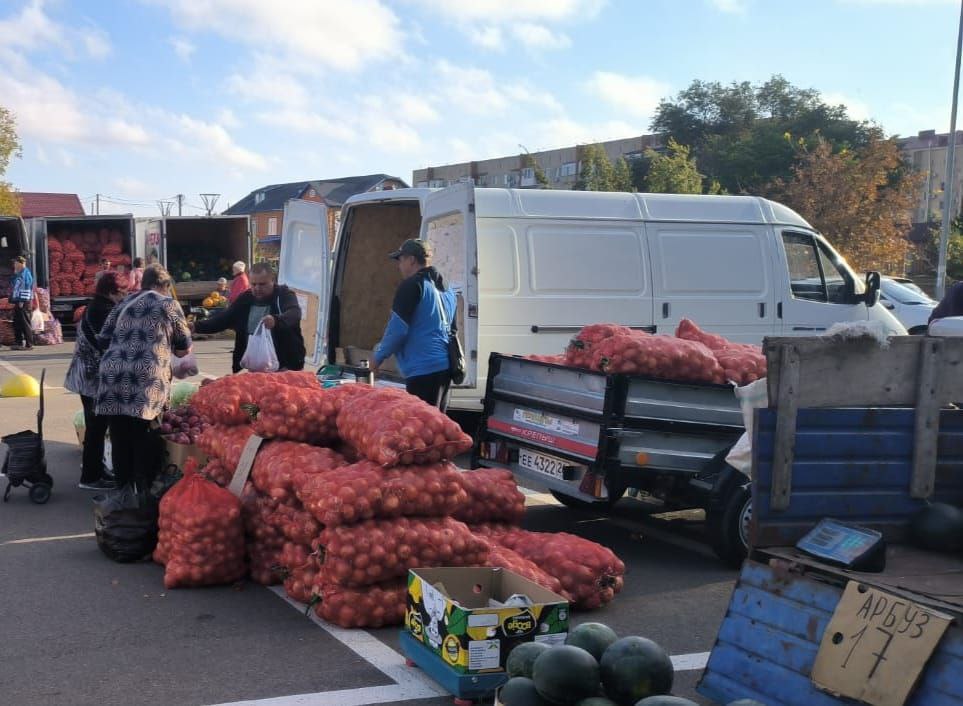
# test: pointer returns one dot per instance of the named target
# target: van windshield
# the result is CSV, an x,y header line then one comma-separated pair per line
x,y
816,271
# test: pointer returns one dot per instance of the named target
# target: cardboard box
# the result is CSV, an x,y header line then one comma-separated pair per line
x,y
177,454
459,614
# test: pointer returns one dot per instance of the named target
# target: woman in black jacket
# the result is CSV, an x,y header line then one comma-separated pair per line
x,y
265,302
82,378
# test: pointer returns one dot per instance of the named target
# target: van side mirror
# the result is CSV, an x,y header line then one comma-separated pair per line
x,y
871,295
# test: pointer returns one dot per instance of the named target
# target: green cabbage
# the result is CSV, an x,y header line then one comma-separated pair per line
x,y
181,393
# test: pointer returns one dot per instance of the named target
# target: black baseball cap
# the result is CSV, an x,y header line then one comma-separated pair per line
x,y
417,248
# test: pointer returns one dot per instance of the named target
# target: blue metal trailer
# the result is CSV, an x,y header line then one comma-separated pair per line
x,y
857,465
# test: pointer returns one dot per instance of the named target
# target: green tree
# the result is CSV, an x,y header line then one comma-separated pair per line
x,y
737,132
527,160
674,172
622,176
9,148
596,172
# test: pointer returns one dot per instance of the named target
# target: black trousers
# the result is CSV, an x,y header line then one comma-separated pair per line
x,y
22,332
96,430
137,450
432,388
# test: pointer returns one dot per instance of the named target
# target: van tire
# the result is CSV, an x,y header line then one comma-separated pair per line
x,y
728,527
576,504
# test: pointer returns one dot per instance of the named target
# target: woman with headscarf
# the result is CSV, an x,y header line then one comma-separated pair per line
x,y
240,283
140,336
82,378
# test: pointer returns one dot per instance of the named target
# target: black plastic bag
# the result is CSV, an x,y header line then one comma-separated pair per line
x,y
125,523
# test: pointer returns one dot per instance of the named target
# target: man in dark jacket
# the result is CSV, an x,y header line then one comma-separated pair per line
x,y
951,305
268,302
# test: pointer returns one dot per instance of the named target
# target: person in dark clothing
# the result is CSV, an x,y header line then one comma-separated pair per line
x,y
422,318
265,302
82,379
950,305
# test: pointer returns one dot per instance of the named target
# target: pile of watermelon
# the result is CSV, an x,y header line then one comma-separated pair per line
x,y
595,667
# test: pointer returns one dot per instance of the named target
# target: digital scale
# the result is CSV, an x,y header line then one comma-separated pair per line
x,y
849,546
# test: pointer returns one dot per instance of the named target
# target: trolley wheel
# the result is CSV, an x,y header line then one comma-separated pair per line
x,y
40,493
410,663
47,479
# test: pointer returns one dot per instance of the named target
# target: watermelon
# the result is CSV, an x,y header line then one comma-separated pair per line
x,y
633,668
596,701
594,638
938,527
665,701
566,674
521,659
746,702
519,691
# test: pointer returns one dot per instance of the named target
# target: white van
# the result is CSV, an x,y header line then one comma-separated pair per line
x,y
531,267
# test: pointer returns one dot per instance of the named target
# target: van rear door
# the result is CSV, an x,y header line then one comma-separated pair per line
x,y
448,223
305,267
147,238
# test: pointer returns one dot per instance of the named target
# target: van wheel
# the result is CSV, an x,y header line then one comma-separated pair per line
x,y
601,505
728,527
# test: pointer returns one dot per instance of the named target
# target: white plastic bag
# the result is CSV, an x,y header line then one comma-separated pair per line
x,y
753,396
184,367
36,321
260,356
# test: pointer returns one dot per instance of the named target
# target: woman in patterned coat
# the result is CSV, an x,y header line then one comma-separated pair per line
x,y
139,338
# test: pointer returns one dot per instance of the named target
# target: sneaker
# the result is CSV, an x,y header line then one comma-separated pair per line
x,y
98,485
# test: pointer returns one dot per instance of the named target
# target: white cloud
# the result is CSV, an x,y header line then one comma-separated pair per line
x,y
536,36
510,11
214,142
564,132
307,122
633,95
227,118
131,186
857,109
269,84
487,37
416,109
183,48
391,135
477,92
732,7
33,30
123,132
339,35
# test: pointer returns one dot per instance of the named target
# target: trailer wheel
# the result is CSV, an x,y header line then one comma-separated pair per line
x,y
728,527
577,504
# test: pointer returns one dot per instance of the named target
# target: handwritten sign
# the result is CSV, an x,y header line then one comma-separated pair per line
x,y
876,646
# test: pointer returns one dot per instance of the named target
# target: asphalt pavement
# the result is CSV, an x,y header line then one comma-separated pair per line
x,y
81,630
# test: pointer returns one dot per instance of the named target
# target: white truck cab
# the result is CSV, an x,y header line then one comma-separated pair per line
x,y
531,267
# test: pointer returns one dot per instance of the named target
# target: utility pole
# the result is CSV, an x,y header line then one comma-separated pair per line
x,y
210,200
950,173
97,209
180,204
165,207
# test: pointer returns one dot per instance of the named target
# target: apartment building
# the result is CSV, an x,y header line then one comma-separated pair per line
x,y
927,153
561,166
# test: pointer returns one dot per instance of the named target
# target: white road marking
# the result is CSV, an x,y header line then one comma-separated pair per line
x,y
690,662
32,540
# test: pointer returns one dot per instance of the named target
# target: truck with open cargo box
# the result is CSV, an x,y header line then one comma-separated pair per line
x,y
589,436
196,250
67,252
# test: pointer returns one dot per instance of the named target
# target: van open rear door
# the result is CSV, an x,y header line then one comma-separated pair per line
x,y
448,223
305,267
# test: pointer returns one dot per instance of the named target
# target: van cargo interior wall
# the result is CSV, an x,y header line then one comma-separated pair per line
x,y
368,279
227,238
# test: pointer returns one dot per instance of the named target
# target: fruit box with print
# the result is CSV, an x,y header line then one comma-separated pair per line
x,y
461,616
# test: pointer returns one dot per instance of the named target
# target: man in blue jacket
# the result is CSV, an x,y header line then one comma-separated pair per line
x,y
417,334
21,296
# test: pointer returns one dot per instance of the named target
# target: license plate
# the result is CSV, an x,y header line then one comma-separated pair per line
x,y
543,463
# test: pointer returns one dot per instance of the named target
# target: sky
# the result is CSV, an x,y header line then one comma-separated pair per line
x,y
140,100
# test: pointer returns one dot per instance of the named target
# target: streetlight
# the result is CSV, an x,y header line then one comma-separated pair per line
x,y
950,173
